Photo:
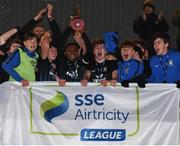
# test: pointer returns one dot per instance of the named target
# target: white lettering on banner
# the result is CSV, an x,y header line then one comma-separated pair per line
x,y
102,115
103,134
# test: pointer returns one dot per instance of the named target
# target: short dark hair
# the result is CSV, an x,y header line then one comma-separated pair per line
x,y
149,5
72,43
29,36
163,36
97,41
127,43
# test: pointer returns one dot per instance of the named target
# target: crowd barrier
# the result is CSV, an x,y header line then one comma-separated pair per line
x,y
45,113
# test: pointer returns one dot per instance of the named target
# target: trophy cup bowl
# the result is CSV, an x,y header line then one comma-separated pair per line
x,y
77,24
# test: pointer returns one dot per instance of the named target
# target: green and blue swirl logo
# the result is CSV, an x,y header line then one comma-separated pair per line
x,y
54,107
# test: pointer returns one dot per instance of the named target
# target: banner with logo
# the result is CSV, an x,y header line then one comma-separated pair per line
x,y
46,114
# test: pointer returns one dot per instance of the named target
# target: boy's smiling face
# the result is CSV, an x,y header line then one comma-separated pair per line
x,y
31,44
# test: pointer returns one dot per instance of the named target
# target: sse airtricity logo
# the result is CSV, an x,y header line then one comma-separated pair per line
x,y
54,107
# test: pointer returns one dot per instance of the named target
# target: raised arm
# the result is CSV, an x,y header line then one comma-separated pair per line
x,y
32,23
56,32
5,36
45,45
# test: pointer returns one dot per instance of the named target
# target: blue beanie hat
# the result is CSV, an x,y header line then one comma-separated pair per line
x,y
111,41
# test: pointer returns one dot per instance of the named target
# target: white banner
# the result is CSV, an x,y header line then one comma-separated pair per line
x,y
46,114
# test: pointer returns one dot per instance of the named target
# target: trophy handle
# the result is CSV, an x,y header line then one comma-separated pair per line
x,y
76,12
